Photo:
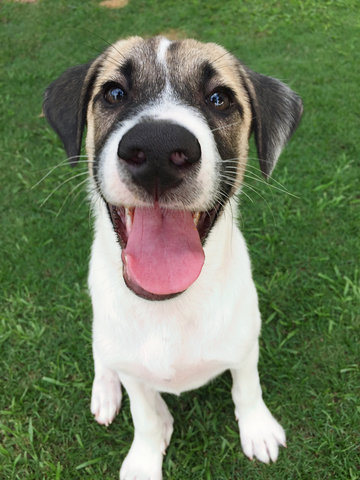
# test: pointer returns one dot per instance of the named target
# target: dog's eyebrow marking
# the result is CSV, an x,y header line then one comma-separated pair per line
x,y
208,72
126,69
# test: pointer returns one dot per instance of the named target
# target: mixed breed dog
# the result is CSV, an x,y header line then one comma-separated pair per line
x,y
174,302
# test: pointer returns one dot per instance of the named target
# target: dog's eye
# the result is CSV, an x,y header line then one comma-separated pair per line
x,y
220,100
114,94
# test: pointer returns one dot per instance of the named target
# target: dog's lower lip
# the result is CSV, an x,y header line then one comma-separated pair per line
x,y
140,292
118,218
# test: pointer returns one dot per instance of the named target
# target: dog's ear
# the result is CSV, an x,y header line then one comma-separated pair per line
x,y
65,105
276,111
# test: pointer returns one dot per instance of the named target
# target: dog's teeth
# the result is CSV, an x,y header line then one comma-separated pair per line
x,y
129,218
196,217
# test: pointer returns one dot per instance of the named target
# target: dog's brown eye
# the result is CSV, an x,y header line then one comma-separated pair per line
x,y
219,100
114,94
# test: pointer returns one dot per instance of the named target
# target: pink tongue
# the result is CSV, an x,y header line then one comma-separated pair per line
x,y
163,253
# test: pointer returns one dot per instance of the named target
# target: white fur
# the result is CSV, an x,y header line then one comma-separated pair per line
x,y
161,51
182,343
166,353
177,345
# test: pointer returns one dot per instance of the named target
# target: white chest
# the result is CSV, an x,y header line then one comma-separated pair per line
x,y
182,343
165,356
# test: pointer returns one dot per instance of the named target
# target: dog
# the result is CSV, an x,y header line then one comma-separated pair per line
x,y
174,303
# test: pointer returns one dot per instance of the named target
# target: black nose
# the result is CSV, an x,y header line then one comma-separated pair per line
x,y
159,155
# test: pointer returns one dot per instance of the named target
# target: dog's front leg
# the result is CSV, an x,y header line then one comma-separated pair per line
x,y
106,392
152,432
260,433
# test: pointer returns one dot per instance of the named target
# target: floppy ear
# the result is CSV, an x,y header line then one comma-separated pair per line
x,y
276,113
65,105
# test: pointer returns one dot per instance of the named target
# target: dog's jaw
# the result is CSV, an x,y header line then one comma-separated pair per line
x,y
161,273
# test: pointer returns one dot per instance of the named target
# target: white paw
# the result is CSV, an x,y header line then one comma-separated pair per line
x,y
143,462
260,433
106,397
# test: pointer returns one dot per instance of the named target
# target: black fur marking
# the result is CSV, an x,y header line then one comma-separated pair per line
x,y
127,71
208,72
276,111
65,106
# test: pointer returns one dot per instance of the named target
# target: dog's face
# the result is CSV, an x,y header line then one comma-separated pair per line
x,y
168,125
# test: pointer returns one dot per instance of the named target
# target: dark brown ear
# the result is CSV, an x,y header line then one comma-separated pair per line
x,y
65,106
276,112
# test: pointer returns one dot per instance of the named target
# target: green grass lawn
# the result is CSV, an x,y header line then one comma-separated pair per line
x,y
305,248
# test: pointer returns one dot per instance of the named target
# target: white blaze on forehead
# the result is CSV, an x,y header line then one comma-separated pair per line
x,y
161,58
162,49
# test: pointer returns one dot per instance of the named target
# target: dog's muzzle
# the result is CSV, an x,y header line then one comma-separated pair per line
x,y
162,248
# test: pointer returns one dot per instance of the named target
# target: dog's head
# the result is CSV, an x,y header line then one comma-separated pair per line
x,y
168,125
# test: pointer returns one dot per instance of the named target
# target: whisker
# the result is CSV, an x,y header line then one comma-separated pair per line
x,y
105,41
252,176
64,163
221,198
237,185
234,185
233,166
112,60
253,189
60,185
272,179
228,52
233,180
247,196
225,126
61,164
77,186
227,181
232,161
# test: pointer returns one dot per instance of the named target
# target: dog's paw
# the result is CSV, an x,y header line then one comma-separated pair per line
x,y
260,433
143,462
106,397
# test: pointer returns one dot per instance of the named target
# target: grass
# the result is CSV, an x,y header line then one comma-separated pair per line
x,y
305,248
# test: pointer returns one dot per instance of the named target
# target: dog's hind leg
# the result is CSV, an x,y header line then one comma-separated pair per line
x,y
106,394
153,426
260,433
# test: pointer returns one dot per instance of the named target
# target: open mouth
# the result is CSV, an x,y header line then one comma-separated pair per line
x,y
162,249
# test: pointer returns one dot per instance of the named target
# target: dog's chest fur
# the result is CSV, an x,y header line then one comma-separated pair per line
x,y
159,341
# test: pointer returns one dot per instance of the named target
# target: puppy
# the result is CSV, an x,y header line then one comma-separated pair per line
x,y
174,302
